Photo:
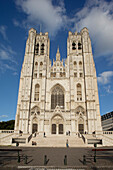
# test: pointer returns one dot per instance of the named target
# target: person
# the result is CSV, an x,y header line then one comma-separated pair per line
x,y
67,145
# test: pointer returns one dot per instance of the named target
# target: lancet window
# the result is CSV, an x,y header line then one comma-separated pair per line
x,y
75,64
57,97
80,64
79,46
36,95
36,65
42,49
79,92
73,46
37,49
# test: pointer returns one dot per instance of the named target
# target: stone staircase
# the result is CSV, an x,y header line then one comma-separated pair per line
x,y
57,141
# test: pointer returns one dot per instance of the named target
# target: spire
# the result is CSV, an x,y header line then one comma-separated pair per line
x,y
58,49
58,55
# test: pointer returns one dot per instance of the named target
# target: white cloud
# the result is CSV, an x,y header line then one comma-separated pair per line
x,y
3,31
97,16
105,77
108,89
3,116
4,67
7,61
6,53
16,23
51,17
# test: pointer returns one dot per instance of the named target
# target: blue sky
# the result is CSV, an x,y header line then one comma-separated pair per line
x,y
56,17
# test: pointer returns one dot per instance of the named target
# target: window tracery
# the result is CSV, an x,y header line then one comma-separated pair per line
x,y
57,97
35,110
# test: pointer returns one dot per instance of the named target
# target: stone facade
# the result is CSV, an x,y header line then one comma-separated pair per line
x,y
61,97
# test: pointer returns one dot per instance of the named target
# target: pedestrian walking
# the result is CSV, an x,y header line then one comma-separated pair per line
x,y
67,145
44,134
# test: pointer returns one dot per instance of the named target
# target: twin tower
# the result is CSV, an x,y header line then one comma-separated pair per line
x,y
61,97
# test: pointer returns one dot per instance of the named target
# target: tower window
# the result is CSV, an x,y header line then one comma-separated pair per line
x,y
41,64
35,75
79,46
40,75
54,74
36,96
73,46
51,74
75,64
79,92
64,74
37,49
80,64
61,74
42,49
80,74
36,65
75,74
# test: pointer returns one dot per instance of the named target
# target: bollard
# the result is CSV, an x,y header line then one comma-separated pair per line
x,y
84,159
18,157
45,159
95,145
94,158
65,160
25,159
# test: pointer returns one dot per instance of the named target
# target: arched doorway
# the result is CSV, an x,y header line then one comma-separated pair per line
x,y
57,126
34,128
81,126
35,125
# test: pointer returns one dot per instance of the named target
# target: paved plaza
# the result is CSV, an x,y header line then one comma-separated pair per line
x,y
55,158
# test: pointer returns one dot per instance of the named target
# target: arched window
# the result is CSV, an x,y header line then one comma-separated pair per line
x,y
36,65
36,96
79,92
41,64
42,49
73,46
37,49
57,97
75,64
80,64
79,46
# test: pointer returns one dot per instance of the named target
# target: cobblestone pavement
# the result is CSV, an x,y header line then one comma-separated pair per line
x,y
55,158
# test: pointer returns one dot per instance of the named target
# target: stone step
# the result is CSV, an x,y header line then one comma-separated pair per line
x,y
57,141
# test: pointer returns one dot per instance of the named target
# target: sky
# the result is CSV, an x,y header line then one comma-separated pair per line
x,y
56,17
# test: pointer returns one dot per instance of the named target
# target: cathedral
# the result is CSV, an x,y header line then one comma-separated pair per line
x,y
60,97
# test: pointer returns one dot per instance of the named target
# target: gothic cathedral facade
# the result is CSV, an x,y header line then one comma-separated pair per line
x,y
56,98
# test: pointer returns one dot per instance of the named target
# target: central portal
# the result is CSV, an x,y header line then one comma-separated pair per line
x,y
57,126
